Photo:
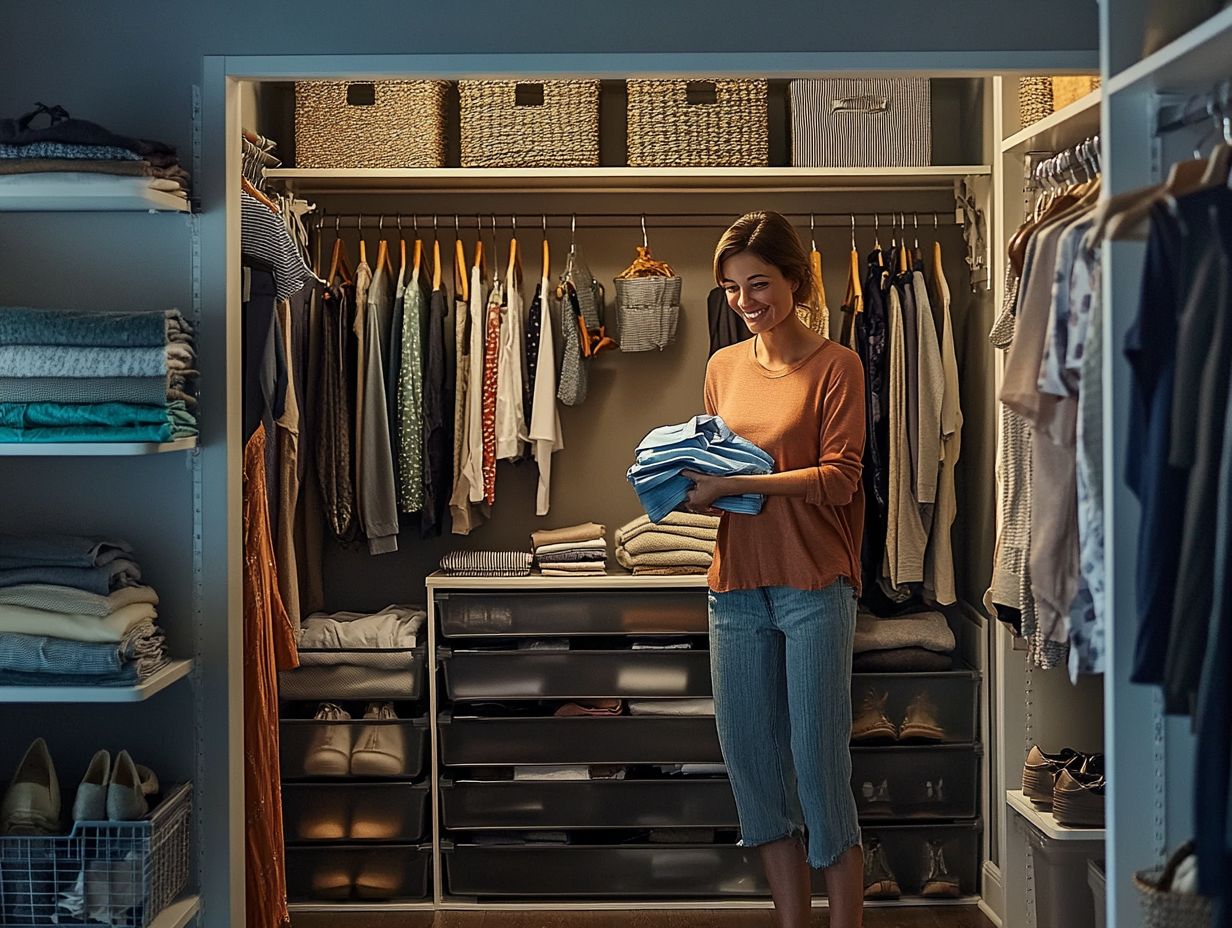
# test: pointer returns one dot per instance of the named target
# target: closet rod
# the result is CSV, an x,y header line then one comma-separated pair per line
x,y
1211,105
529,222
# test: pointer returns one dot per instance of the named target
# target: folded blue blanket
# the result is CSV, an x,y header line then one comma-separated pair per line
x,y
35,550
22,326
143,652
117,415
102,579
126,677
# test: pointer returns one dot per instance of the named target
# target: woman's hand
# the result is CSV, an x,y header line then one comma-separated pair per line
x,y
706,489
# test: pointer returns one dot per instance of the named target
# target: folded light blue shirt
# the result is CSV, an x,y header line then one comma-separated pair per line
x,y
705,444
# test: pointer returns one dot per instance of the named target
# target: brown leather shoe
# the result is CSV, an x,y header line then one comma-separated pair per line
x,y
871,722
1078,797
1039,773
920,721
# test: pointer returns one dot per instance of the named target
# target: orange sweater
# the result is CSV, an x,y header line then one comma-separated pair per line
x,y
808,416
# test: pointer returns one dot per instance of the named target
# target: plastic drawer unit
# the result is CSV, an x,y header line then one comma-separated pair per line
x,y
337,675
485,742
649,612
1063,897
354,812
357,873
322,748
682,802
490,675
940,707
918,782
914,851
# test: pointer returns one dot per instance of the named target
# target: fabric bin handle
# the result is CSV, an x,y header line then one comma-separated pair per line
x,y
867,103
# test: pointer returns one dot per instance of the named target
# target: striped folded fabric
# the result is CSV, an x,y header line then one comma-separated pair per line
x,y
487,563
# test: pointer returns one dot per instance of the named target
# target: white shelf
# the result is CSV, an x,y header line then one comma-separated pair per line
x,y
613,581
1193,63
82,449
1065,127
63,199
1046,823
172,673
179,914
615,179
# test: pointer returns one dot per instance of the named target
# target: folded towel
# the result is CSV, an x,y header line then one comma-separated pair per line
x,y
590,572
52,415
573,557
901,660
487,563
670,571
60,550
920,630
88,433
147,391
692,525
391,627
577,567
143,646
650,542
101,580
662,559
597,544
77,361
23,621
587,531
22,326
74,601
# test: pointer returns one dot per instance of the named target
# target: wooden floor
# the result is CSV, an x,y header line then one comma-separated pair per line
x,y
964,917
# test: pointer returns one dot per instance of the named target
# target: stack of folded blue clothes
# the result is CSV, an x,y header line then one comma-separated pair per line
x,y
73,612
704,444
73,376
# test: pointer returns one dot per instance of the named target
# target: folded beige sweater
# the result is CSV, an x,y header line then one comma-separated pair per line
x,y
688,524
649,542
919,630
587,531
662,559
670,571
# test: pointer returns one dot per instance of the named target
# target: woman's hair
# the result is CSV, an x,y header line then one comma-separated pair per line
x,y
771,237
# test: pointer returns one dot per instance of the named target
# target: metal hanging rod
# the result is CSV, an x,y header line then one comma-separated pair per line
x,y
1215,105
1085,157
466,222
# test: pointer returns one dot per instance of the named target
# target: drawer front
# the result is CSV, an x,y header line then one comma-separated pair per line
x,y
682,802
341,873
480,742
354,812
393,749
919,708
682,612
940,782
482,675
394,678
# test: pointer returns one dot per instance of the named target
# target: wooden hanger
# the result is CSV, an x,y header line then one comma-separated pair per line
x,y
338,261
363,248
936,270
479,245
547,254
417,260
382,250
250,189
436,256
459,263
401,248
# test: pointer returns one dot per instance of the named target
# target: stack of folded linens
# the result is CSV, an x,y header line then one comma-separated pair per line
x,y
682,543
574,551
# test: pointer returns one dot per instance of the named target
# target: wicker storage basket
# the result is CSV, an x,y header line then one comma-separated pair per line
x,y
861,122
648,310
1034,99
699,123
530,124
1067,89
371,124
1170,910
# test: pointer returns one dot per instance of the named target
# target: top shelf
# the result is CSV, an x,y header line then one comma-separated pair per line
x,y
1065,127
1193,63
617,179
1046,823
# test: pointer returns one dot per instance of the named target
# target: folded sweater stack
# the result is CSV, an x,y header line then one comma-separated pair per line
x,y
682,543
78,376
918,641
73,613
574,551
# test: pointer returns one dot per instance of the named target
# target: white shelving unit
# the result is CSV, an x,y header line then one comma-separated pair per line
x,y
86,449
1190,62
172,673
58,197
180,913
1046,822
1052,133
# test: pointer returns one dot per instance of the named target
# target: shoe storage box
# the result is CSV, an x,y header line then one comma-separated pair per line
x,y
1062,892
917,782
394,673
323,748
355,812
485,742
950,701
907,852
668,803
354,873
576,674
666,612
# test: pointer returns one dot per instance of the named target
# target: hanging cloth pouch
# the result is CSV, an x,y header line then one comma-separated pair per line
x,y
573,373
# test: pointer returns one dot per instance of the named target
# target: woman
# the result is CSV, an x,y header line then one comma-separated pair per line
x,y
784,582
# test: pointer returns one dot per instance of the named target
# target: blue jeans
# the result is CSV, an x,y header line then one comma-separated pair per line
x,y
780,661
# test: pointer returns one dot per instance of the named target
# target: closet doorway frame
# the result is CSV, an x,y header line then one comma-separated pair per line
x,y
217,132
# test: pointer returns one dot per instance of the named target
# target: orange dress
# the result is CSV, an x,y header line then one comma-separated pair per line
x,y
269,646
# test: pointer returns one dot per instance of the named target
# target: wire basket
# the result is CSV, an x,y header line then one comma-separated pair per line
x,y
648,309
1162,909
118,873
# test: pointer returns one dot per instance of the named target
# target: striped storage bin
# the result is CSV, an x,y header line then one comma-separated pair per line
x,y
529,124
677,123
370,124
861,122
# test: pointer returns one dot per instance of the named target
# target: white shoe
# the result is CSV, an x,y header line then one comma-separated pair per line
x,y
31,805
380,750
329,750
90,804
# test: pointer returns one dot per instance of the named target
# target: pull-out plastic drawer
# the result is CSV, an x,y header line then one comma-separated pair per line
x,y
359,674
354,812
357,873
682,802
485,742
484,675
941,707
391,748
650,612
924,782
917,853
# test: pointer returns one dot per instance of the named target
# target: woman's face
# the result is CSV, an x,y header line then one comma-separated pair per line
x,y
758,291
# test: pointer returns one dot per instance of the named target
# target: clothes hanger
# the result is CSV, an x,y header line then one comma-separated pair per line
x,y
401,248
877,249
417,260
479,245
1221,156
854,300
459,261
382,248
1059,199
515,263
936,271
363,247
903,256
316,261
250,189
436,254
815,262
547,252
338,261
496,275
